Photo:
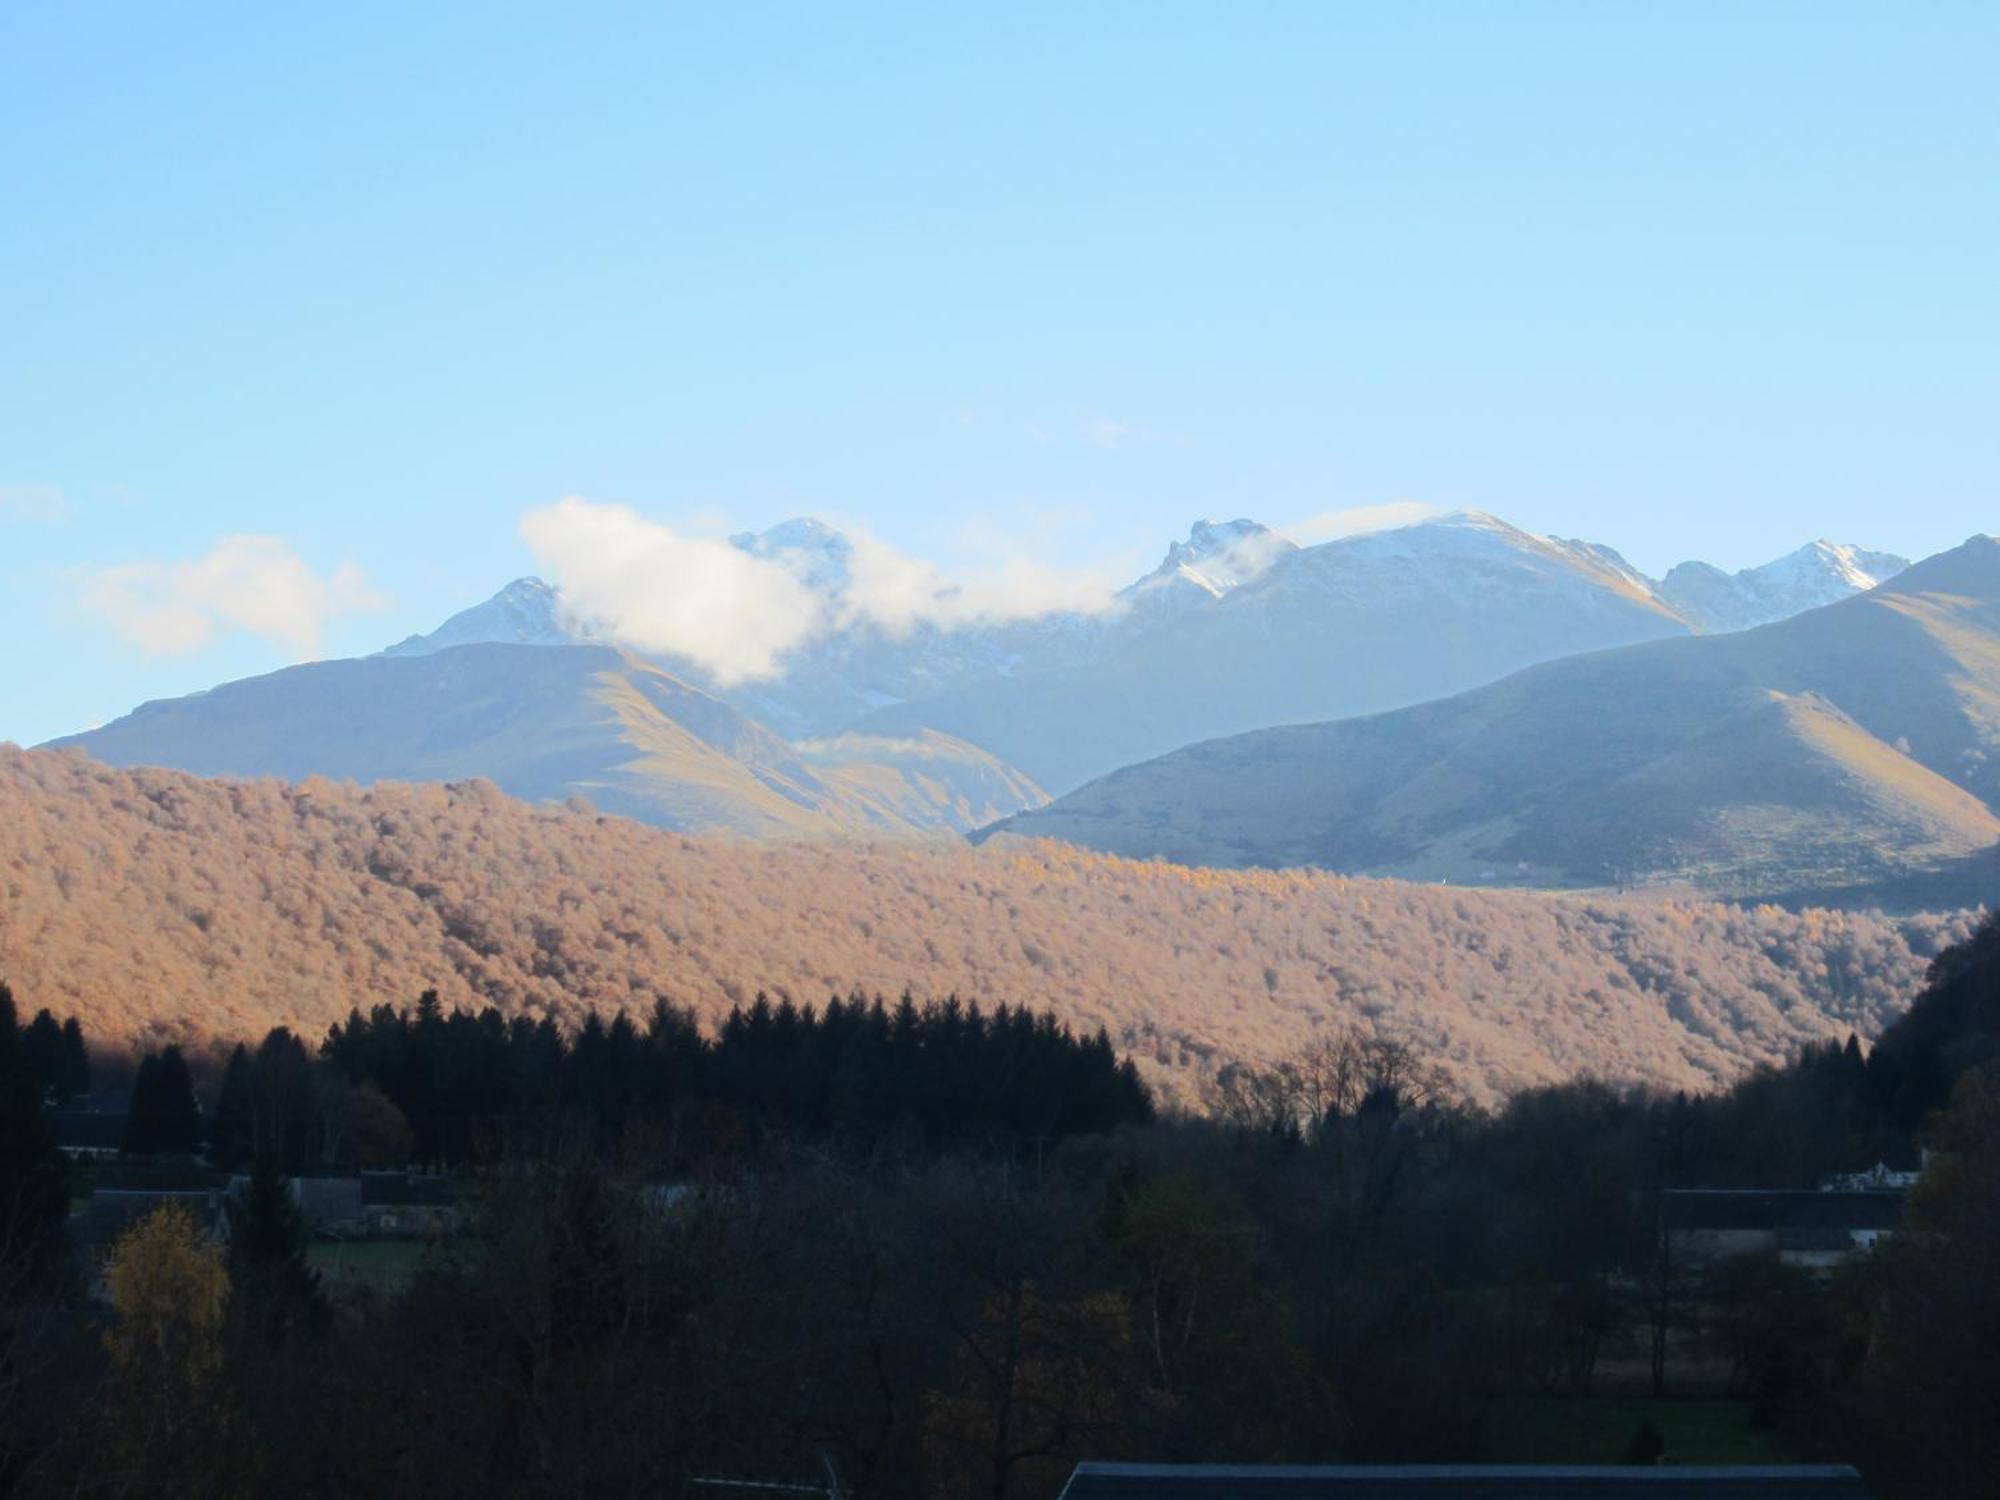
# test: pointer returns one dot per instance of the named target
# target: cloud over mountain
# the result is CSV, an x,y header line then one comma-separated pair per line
x,y
646,584
737,606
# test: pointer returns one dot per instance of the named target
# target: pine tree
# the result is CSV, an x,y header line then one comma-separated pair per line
x,y
41,1051
277,1293
180,1116
75,1060
33,1199
284,1098
165,1117
233,1136
142,1117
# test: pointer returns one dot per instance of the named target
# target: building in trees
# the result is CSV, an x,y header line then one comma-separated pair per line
x,y
1099,1481
1803,1228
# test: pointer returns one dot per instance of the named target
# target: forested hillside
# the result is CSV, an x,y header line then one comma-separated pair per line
x,y
157,905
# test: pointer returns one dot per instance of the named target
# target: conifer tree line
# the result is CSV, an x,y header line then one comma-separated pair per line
x,y
455,1088
54,1053
857,1074
33,1194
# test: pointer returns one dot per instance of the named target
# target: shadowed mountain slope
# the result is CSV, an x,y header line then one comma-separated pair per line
x,y
551,722
1844,748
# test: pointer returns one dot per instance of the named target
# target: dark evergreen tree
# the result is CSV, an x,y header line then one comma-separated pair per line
x,y
277,1295
42,1053
934,1077
285,1100
233,1133
75,1060
33,1198
165,1118
143,1113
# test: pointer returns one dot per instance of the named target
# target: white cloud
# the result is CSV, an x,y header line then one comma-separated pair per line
x,y
654,588
254,584
32,502
1245,558
892,589
737,615
896,592
1358,520
1022,588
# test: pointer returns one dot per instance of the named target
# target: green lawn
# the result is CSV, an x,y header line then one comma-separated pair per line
x,y
372,1265
1598,1430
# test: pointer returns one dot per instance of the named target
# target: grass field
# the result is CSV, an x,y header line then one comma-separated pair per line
x,y
366,1265
1599,1429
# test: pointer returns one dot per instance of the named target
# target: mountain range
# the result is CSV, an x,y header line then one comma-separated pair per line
x,y
1237,628
1834,755
951,727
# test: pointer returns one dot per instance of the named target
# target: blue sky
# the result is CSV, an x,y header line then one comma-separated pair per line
x,y
374,281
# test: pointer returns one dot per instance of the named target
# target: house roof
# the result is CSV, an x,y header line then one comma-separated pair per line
x,y
1757,1209
320,1199
405,1190
1099,1481
104,1102
76,1130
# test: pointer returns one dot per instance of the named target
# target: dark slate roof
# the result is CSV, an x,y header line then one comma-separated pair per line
x,y
327,1198
1094,1481
76,1129
321,1199
104,1102
95,1120
1728,1208
405,1190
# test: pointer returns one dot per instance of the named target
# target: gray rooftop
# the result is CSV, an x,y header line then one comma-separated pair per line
x,y
1097,1481
1759,1209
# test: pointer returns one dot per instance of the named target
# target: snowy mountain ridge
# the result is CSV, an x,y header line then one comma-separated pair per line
x,y
1238,627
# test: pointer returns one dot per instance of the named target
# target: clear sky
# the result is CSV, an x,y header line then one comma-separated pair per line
x,y
370,281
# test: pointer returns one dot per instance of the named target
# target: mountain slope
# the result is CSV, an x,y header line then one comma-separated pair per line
x,y
550,722
157,905
525,613
1849,746
1236,629
921,728
1354,626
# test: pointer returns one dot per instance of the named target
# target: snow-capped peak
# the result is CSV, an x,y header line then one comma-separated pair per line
x,y
527,612
1852,566
1816,574
1219,556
